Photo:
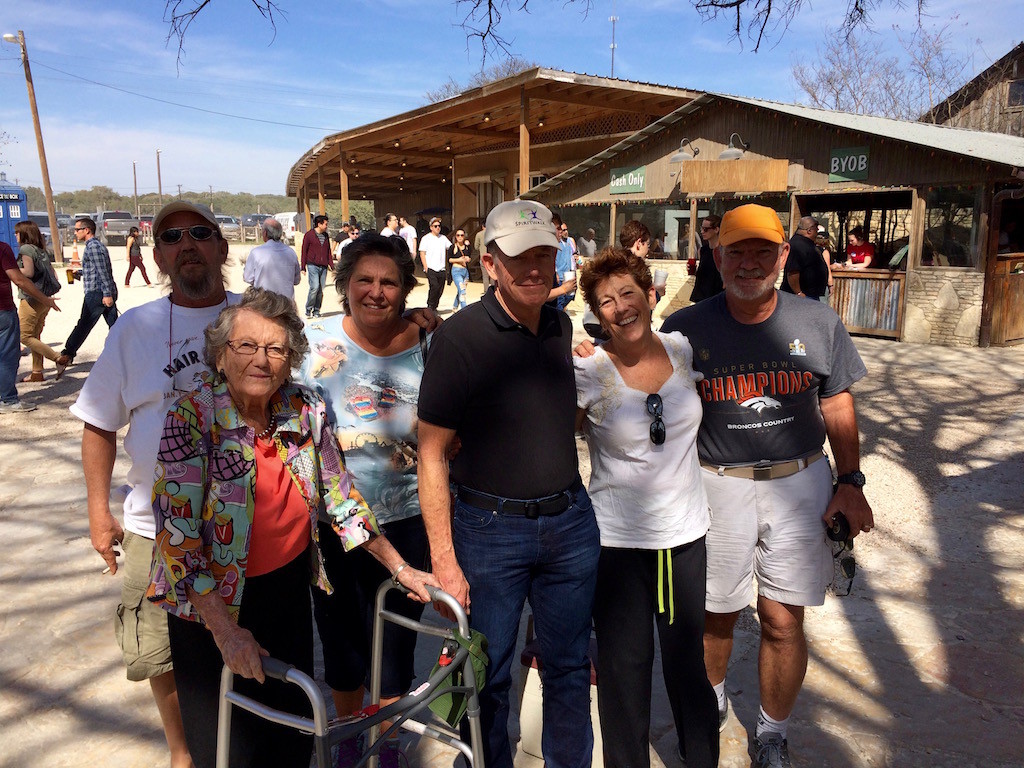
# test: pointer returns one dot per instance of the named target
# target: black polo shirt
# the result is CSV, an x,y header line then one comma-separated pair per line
x,y
805,260
509,395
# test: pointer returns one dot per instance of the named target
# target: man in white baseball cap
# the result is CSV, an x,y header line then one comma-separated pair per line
x,y
499,375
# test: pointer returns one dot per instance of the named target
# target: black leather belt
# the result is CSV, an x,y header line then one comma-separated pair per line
x,y
548,506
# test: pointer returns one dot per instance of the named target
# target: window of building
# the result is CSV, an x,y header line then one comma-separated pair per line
x,y
535,179
951,227
1015,97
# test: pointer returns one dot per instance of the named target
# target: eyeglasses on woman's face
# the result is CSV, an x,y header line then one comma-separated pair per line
x,y
655,409
250,348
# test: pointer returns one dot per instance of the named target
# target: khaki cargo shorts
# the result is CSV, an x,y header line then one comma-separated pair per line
x,y
140,626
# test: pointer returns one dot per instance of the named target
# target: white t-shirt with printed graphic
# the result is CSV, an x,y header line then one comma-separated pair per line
x,y
149,360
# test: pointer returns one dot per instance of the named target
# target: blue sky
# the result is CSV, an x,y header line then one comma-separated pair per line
x,y
336,65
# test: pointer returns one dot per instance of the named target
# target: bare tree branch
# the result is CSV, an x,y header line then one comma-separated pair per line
x,y
483,17
504,68
180,14
855,74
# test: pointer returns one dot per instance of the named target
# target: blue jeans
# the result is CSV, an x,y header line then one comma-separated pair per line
x,y
552,561
460,276
93,309
10,355
316,276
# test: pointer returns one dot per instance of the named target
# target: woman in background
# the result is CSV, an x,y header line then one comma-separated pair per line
x,y
134,256
32,260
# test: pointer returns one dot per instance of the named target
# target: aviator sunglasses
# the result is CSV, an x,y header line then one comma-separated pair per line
x,y
655,409
198,232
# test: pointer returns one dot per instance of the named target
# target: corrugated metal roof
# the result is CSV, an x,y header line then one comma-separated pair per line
x,y
980,145
616,149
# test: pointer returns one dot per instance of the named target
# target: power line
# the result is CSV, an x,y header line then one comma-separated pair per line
x,y
182,106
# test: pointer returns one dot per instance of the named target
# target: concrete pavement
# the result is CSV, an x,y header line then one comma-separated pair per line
x,y
923,665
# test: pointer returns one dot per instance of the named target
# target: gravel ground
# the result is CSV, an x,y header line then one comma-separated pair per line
x,y
923,665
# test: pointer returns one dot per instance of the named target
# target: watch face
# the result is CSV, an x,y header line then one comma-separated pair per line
x,y
855,478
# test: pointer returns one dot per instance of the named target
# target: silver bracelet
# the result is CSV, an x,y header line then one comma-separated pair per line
x,y
398,570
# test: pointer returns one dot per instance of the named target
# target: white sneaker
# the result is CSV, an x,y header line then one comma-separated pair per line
x,y
16,407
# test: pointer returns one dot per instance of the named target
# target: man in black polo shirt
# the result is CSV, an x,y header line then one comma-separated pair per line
x,y
806,273
499,375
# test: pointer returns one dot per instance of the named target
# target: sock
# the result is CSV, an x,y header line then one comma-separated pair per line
x,y
720,693
766,723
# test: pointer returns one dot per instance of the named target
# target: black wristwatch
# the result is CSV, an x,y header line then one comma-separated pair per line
x,y
855,478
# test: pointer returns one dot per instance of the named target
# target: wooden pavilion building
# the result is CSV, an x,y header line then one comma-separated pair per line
x,y
936,201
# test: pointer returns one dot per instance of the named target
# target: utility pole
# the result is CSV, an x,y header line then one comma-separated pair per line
x,y
135,183
613,18
51,212
179,191
159,184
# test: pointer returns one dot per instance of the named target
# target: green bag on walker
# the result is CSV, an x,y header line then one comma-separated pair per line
x,y
451,706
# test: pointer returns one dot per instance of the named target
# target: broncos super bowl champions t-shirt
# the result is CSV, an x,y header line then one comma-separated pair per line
x,y
762,382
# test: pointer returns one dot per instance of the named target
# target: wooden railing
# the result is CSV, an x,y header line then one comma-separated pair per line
x,y
870,301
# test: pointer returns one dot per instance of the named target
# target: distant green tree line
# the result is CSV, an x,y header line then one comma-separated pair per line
x,y
230,203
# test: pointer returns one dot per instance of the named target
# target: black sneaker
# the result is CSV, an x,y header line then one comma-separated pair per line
x,y
771,751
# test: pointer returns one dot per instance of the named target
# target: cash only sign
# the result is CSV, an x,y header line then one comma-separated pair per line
x,y
625,180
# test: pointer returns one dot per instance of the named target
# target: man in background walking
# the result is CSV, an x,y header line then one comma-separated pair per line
x,y
316,259
100,290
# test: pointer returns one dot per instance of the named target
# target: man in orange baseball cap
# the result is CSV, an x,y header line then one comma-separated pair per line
x,y
777,376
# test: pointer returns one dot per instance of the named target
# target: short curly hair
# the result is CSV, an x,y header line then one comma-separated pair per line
x,y
609,262
634,231
372,244
272,306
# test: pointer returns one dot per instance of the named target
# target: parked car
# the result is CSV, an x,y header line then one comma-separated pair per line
x,y
254,219
290,224
146,227
229,227
42,220
112,227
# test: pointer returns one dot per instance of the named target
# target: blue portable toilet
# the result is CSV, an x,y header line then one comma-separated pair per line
x,y
13,208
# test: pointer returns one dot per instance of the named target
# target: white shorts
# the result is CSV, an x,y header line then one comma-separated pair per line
x,y
771,529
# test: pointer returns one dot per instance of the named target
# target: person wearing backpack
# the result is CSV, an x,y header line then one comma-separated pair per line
x,y
35,265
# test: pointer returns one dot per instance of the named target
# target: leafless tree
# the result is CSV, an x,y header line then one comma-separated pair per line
x,y
854,73
180,14
513,65
759,19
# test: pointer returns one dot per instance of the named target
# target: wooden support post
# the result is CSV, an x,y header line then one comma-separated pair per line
x,y
343,179
321,203
613,236
524,143
691,241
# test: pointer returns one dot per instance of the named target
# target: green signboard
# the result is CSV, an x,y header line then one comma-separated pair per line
x,y
627,180
849,164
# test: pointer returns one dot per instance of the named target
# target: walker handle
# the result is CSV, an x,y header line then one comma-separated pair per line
x,y
276,668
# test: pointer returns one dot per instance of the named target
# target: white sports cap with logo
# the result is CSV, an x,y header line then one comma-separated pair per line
x,y
519,225
180,205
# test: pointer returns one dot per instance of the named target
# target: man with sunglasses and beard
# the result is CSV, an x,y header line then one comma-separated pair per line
x,y
777,377
149,359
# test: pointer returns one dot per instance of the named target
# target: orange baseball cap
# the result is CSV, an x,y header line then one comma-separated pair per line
x,y
751,222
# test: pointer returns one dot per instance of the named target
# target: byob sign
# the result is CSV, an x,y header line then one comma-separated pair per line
x,y
850,164
627,180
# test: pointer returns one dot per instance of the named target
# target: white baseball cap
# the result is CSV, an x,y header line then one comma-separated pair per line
x,y
519,225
